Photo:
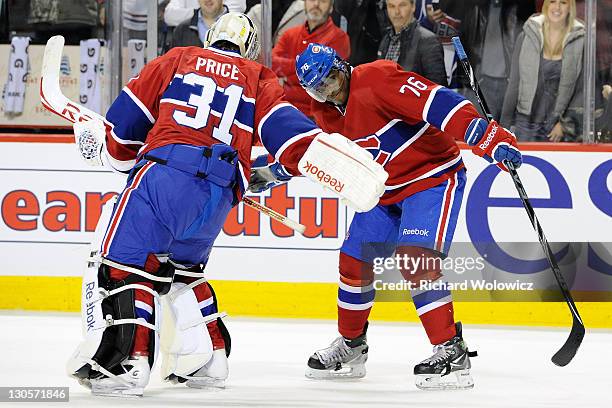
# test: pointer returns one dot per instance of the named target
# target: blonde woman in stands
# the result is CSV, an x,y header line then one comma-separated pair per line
x,y
543,100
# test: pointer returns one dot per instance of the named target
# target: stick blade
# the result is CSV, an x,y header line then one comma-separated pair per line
x,y
53,52
52,58
567,352
50,92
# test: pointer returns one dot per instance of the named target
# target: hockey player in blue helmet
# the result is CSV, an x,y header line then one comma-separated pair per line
x,y
323,74
410,125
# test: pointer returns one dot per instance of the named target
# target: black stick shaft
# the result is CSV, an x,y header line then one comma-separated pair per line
x,y
569,349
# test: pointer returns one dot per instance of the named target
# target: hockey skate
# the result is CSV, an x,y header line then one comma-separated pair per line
x,y
129,380
213,374
342,359
448,368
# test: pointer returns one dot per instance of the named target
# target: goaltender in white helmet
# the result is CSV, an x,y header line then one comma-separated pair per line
x,y
238,29
332,160
106,361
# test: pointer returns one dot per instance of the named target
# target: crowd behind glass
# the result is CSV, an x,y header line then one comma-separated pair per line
x,y
528,54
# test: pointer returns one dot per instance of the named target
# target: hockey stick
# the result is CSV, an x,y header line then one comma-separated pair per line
x,y
55,101
51,95
275,215
567,352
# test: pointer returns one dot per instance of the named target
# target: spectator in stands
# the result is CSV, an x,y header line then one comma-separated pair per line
x,y
285,14
192,32
488,32
603,45
4,22
135,17
440,16
74,19
544,96
443,18
603,124
178,11
364,21
415,48
319,28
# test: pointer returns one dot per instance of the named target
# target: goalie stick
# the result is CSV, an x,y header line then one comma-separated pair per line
x,y
55,101
567,352
275,215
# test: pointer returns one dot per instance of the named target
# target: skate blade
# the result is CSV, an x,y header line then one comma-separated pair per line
x,y
85,382
207,384
344,373
120,393
457,380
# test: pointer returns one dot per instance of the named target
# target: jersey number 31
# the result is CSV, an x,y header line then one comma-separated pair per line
x,y
202,102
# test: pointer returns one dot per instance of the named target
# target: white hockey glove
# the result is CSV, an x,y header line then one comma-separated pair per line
x,y
342,166
89,137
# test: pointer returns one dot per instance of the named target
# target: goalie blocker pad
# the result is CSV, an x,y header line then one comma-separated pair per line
x,y
342,166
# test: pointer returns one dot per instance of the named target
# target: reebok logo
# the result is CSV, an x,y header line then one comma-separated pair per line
x,y
323,177
415,231
91,319
490,137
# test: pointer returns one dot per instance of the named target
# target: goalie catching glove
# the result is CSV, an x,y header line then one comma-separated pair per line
x,y
493,142
89,137
342,166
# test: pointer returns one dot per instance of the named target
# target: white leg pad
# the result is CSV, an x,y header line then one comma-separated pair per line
x,y
342,166
185,343
92,319
95,322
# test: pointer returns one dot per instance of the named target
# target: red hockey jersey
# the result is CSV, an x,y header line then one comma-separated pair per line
x,y
202,97
407,122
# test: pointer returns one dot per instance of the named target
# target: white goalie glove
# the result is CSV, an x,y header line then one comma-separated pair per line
x,y
341,165
89,137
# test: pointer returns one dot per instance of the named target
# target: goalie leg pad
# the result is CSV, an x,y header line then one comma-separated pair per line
x,y
189,352
118,302
111,317
341,165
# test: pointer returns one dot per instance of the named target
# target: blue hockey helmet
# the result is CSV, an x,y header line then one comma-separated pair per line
x,y
316,69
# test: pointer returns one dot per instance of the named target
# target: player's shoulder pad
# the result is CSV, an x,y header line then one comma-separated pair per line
x,y
177,51
377,70
268,77
380,65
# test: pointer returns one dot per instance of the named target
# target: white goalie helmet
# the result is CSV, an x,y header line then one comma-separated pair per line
x,y
237,29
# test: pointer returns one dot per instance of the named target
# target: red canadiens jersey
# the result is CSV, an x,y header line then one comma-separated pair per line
x,y
203,97
407,122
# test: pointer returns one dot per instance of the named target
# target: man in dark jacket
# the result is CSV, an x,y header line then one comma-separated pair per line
x,y
488,32
415,48
364,21
192,32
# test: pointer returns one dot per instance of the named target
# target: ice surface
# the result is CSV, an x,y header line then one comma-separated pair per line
x,y
268,359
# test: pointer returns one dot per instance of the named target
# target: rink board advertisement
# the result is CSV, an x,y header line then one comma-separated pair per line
x,y
50,203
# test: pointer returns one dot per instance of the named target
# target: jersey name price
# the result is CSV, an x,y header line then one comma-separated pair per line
x,y
223,69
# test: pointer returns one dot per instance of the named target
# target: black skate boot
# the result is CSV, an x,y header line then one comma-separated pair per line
x,y
342,359
448,368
